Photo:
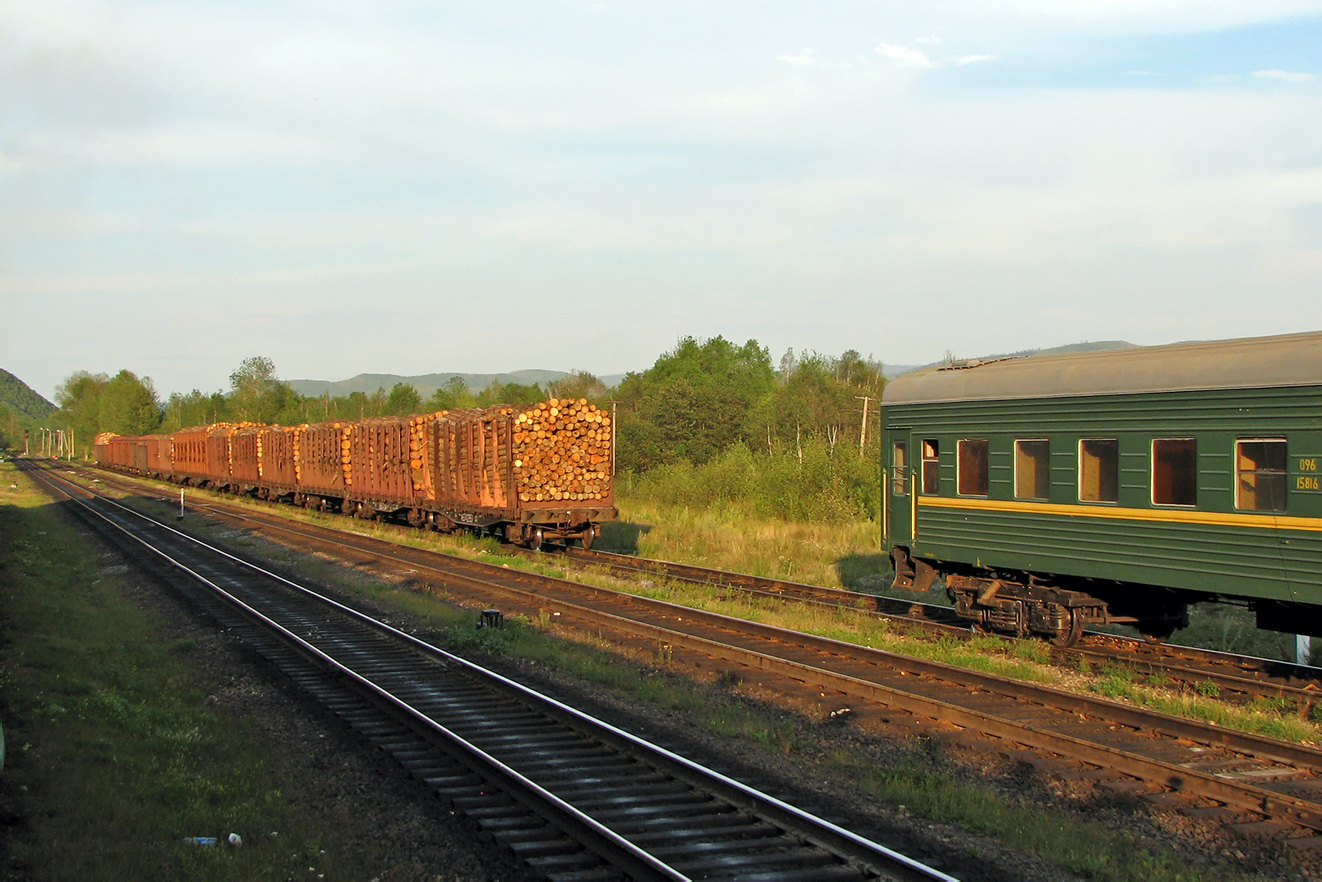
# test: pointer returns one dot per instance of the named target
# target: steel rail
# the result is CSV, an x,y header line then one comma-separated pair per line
x,y
619,851
1176,777
1245,796
1067,702
1170,661
838,839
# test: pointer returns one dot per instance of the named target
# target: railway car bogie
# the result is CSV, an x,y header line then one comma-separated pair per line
x,y
1024,608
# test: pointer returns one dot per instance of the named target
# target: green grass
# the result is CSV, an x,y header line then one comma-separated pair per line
x,y
918,783
1265,716
733,537
922,784
836,555
114,753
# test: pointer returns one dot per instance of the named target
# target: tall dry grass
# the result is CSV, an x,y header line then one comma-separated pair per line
x,y
844,554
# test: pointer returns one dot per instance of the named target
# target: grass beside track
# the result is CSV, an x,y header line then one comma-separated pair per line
x,y
114,753
836,555
922,781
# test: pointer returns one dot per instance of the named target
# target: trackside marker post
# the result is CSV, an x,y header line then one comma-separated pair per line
x,y
181,503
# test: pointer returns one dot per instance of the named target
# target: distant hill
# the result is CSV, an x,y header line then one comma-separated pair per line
x,y
426,384
20,398
894,370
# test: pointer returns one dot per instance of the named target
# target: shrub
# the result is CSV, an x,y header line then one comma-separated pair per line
x,y
821,484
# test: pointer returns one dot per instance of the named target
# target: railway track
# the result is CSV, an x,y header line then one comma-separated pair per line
x,y
572,796
1235,677
1231,677
1255,786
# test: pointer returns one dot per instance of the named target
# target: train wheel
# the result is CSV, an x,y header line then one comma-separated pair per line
x,y
588,537
1155,634
1072,632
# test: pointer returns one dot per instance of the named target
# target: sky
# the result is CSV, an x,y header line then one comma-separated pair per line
x,y
411,188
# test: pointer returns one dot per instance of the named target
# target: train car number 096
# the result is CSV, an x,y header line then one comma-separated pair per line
x,y
1308,482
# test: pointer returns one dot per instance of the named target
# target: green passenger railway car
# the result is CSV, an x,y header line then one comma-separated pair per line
x,y
1052,492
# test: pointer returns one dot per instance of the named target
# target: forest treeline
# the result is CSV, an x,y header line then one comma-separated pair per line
x,y
711,423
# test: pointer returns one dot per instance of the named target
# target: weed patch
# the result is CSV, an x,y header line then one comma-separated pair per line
x,y
114,753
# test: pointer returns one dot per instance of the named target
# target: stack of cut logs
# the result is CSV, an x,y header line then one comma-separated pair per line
x,y
562,451
300,438
418,446
300,450
346,453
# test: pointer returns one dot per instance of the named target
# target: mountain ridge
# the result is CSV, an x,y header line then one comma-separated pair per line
x,y
426,384
22,398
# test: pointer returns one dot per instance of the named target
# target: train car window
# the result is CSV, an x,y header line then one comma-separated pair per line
x,y
1099,470
931,467
1174,471
972,456
1032,469
1260,475
900,469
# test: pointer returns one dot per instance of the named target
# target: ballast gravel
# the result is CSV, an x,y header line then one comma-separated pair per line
x,y
402,828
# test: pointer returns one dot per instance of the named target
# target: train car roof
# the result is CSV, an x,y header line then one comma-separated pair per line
x,y
1251,362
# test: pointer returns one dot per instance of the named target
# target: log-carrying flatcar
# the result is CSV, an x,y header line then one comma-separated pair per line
x,y
1055,491
529,474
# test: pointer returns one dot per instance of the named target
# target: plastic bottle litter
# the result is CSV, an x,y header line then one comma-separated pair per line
x,y
199,840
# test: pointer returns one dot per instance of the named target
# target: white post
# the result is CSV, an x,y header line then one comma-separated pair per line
x,y
1303,649
181,503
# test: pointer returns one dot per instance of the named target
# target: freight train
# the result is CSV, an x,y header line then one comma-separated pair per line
x,y
1051,492
530,475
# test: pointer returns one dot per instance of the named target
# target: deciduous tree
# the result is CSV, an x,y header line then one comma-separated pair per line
x,y
403,400
579,384
79,398
453,395
128,405
258,394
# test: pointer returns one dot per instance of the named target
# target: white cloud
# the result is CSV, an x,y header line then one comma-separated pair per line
x,y
326,154
1283,75
903,56
803,59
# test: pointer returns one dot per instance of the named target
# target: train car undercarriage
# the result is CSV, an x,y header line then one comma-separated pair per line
x,y
1020,604
534,528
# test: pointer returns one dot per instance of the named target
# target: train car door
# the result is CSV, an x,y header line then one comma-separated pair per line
x,y
898,514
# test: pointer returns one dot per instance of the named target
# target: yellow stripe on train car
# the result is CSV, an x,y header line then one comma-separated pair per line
x,y
1200,518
